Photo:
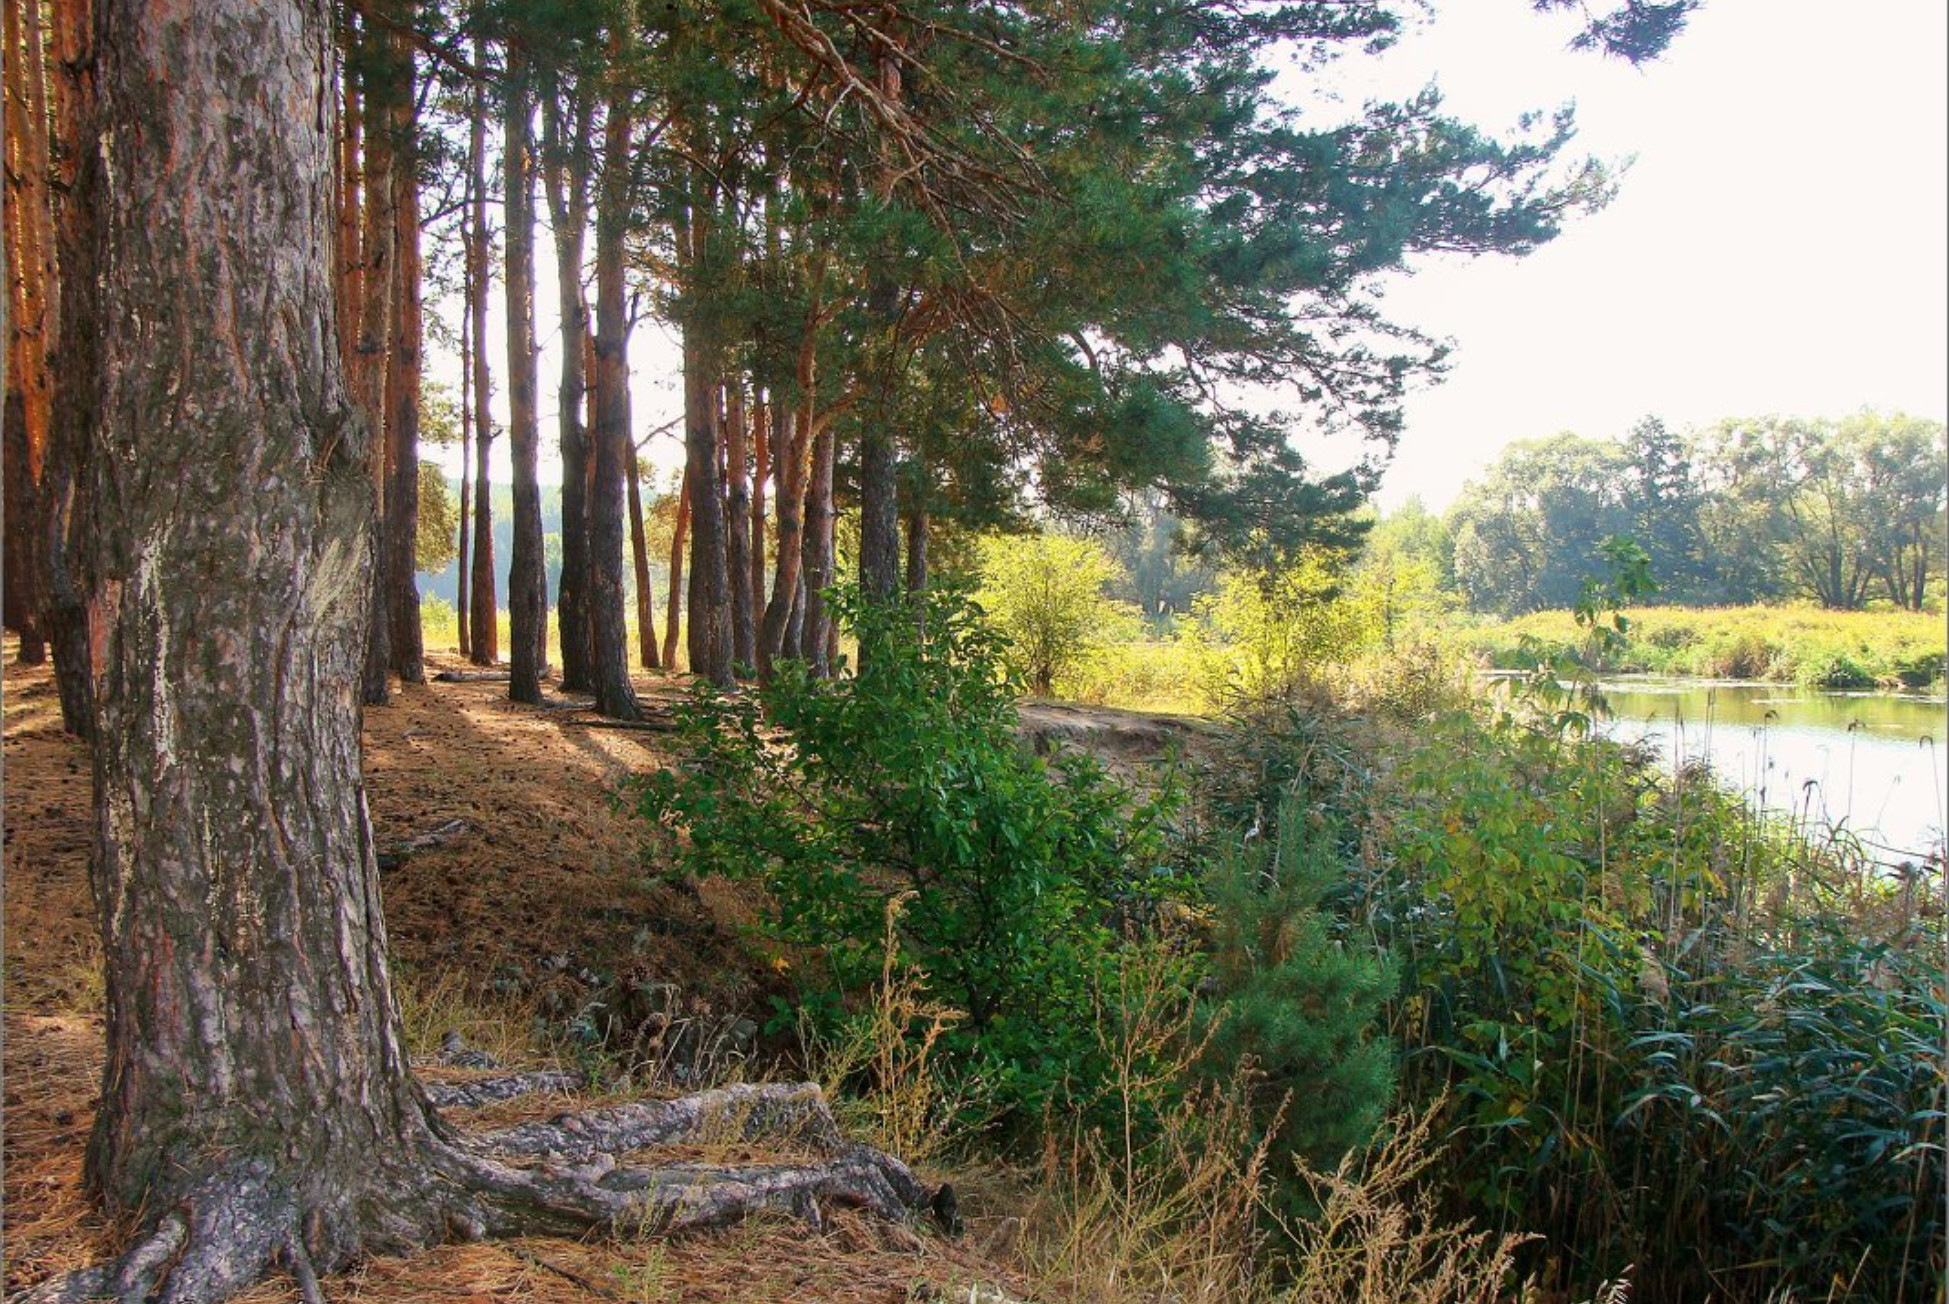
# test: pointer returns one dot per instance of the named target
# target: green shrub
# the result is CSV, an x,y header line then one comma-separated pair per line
x,y
1295,1005
1832,668
907,780
1048,593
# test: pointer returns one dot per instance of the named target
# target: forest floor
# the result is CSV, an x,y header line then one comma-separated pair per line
x,y
539,906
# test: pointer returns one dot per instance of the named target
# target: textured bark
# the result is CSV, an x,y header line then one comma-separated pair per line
x,y
527,580
565,172
879,514
795,473
916,550
405,652
77,364
709,640
816,633
31,323
378,279
483,627
608,629
737,528
679,531
496,1090
351,242
640,555
464,624
254,1067
762,443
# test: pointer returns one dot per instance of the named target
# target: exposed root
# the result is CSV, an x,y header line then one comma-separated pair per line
x,y
746,1112
495,1090
239,1223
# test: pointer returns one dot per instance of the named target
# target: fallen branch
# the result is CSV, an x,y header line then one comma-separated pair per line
x,y
646,725
397,854
472,677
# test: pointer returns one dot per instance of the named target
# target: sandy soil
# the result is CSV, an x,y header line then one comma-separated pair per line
x,y
541,901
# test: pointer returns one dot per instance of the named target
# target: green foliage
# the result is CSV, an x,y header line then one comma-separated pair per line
x,y
1784,644
1755,509
1297,1004
1671,1035
437,539
907,780
1046,594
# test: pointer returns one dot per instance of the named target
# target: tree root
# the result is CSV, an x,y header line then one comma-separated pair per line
x,y
221,1234
504,1087
771,1111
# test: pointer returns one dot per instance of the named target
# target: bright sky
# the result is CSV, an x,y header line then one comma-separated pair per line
x,y
1781,243
1778,246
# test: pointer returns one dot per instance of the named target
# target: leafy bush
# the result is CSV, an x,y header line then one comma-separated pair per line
x,y
1295,1006
907,780
1048,594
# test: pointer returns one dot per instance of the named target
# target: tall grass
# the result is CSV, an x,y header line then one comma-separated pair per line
x,y
1673,1035
1803,645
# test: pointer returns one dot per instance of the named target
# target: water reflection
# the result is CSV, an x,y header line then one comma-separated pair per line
x,y
1868,763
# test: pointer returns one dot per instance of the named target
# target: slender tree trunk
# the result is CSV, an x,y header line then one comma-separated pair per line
x,y
565,171
32,325
482,617
709,639
406,652
737,527
376,321
816,634
640,553
527,579
761,444
462,607
679,529
795,464
917,550
77,364
608,630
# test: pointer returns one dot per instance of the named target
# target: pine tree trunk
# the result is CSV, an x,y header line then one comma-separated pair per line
x,y
378,281
482,618
795,473
462,619
254,1059
678,532
816,632
406,650
762,444
608,630
31,326
565,169
737,528
916,550
709,641
640,553
527,580
77,364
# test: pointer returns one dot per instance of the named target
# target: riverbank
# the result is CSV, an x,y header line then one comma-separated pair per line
x,y
1788,645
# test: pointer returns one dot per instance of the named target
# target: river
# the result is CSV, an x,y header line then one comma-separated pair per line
x,y
1870,763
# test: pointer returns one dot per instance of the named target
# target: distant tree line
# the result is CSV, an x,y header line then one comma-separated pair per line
x,y
1839,511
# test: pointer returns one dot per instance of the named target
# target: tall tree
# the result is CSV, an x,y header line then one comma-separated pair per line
x,y
614,448
482,617
257,1108
32,322
527,580
640,555
68,616
566,151
405,654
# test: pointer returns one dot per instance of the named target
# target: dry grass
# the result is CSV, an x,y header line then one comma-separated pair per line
x,y
542,891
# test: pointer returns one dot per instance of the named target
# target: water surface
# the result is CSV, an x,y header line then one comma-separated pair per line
x,y
1871,763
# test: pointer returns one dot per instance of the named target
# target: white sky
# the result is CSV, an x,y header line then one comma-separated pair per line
x,y
1781,243
1778,246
